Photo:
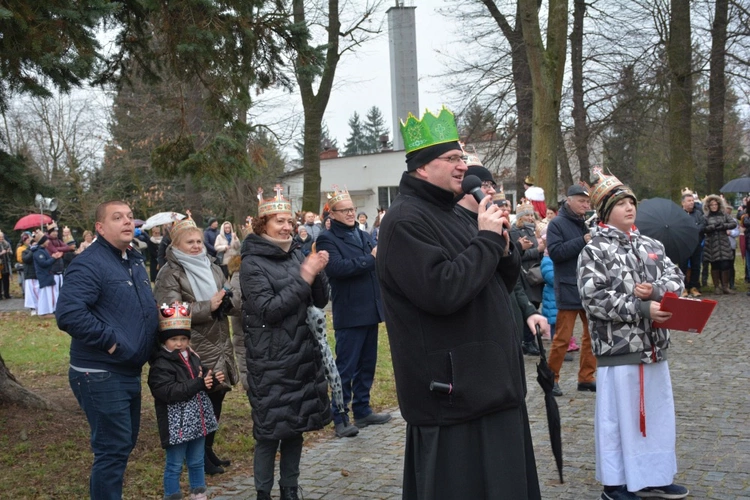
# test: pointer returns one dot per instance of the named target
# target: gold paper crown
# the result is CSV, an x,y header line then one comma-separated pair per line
x,y
174,317
180,226
337,196
529,180
525,209
429,131
603,185
276,205
471,158
686,190
498,196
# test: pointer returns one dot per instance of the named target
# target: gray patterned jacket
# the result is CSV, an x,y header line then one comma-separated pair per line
x,y
609,267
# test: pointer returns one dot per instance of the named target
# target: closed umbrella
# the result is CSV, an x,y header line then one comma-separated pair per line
x,y
32,221
739,185
666,221
546,379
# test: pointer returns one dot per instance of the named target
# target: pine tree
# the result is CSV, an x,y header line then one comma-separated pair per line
x,y
375,127
357,143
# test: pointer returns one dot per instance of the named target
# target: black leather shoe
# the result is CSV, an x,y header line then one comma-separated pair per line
x,y
210,468
587,386
556,391
372,419
289,493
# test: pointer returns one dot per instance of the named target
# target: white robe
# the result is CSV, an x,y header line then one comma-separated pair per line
x,y
623,454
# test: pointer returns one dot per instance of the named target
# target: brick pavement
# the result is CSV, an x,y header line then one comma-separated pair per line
x,y
710,377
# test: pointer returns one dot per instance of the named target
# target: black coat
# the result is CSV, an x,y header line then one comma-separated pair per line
x,y
529,258
355,292
565,240
288,389
172,382
446,291
28,263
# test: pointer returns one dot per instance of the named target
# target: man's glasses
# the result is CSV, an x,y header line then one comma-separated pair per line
x,y
345,211
452,158
488,185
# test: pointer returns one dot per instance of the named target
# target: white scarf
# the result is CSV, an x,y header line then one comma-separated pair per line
x,y
199,273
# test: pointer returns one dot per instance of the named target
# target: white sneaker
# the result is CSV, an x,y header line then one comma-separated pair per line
x,y
33,312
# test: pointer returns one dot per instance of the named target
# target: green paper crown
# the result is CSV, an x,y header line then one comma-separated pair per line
x,y
431,130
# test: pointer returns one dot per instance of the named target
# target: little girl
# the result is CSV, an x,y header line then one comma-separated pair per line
x,y
183,411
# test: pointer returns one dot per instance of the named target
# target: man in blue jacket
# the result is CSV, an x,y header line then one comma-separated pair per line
x,y
357,311
107,307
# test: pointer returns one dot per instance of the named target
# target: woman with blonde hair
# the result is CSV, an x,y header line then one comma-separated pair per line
x,y
189,276
227,245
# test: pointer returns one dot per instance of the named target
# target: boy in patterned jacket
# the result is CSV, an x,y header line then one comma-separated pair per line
x,y
622,277
183,411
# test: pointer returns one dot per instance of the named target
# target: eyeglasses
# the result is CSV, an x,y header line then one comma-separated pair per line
x,y
452,158
488,185
346,211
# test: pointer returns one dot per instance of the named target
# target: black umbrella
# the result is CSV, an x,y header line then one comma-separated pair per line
x,y
546,379
740,185
666,221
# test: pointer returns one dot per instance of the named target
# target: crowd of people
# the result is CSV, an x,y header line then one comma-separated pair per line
x,y
234,306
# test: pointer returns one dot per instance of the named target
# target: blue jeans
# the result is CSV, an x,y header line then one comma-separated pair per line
x,y
112,404
356,357
191,452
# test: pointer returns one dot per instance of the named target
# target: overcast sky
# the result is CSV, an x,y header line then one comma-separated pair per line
x,y
363,77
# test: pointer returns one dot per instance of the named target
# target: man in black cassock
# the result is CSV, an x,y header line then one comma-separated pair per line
x,y
456,350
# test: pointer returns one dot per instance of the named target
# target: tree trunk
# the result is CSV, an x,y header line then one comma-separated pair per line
x,y
566,174
716,99
311,161
314,105
581,131
682,166
547,66
522,86
11,392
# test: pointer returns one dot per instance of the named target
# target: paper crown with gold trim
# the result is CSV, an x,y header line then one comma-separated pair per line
x,y
276,205
525,209
603,184
181,226
528,180
606,192
686,190
429,131
338,195
174,320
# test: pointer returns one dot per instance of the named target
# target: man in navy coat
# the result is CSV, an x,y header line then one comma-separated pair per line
x,y
357,311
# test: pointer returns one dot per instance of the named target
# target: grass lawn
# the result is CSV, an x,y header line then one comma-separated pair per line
x,y
46,454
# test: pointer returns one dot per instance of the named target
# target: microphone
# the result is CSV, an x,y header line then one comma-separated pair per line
x,y
473,185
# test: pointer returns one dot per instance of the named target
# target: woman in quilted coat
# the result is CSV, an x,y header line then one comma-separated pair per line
x,y
288,390
189,276
717,250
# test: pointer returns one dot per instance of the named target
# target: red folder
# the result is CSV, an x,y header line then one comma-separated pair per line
x,y
688,315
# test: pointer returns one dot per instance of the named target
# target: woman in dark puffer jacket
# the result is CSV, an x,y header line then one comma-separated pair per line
x,y
716,248
288,390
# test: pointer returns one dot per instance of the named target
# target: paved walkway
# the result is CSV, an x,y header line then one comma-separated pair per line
x,y
711,381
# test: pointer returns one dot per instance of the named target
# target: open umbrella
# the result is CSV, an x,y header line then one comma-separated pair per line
x,y
739,185
162,218
666,221
316,320
138,222
32,221
546,379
